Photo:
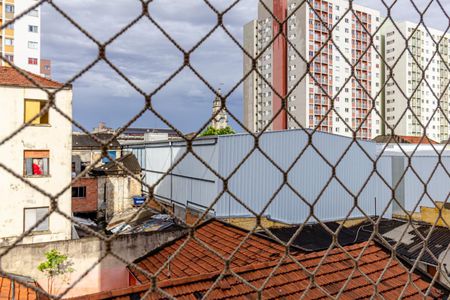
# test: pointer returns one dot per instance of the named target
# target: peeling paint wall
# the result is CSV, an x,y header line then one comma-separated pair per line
x,y
116,193
16,195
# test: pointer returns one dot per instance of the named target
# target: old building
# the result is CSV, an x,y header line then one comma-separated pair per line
x,y
116,187
87,151
33,156
219,121
85,197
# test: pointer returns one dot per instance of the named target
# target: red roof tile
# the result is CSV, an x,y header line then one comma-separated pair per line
x,y
418,139
13,289
404,139
11,77
289,281
195,259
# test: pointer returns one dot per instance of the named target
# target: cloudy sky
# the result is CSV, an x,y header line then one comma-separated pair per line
x,y
148,58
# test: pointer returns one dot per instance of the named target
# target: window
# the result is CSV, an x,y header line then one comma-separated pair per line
x,y
9,8
32,109
79,192
32,28
9,42
36,163
34,13
32,45
33,215
9,57
32,61
10,26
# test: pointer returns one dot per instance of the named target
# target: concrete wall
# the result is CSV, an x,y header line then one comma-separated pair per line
x,y
17,195
88,203
109,274
117,192
88,156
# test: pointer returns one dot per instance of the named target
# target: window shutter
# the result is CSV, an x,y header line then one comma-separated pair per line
x,y
45,166
32,108
40,213
29,166
30,218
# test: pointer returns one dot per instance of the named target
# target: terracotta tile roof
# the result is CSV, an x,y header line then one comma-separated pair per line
x,y
194,259
289,281
10,77
404,139
12,289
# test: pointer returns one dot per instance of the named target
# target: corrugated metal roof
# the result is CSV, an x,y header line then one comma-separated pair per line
x,y
410,242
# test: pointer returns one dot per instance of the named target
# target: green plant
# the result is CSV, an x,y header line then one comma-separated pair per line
x,y
57,264
213,131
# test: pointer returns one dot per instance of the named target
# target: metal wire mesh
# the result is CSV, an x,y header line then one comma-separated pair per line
x,y
353,63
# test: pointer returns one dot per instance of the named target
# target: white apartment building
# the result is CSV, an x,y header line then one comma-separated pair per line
x,y
419,76
21,40
330,68
40,154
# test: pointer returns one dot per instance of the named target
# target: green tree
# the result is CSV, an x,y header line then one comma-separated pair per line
x,y
56,265
213,131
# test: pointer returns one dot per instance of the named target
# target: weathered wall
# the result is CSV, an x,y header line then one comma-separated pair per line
x,y
17,195
85,156
109,274
88,203
117,191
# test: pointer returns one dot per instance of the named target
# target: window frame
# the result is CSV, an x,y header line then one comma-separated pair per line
x,y
33,43
36,231
32,61
34,13
82,188
45,155
31,28
42,103
11,6
10,42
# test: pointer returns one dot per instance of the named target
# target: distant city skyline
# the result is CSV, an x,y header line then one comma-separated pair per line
x,y
148,58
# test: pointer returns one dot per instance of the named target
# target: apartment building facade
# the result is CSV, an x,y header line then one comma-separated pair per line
x,y
34,155
283,65
420,76
21,40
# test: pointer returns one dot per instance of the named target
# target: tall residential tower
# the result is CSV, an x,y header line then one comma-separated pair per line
x,y
307,38
20,42
419,75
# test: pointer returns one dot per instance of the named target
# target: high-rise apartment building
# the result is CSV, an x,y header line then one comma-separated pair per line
x,y
419,75
328,39
21,40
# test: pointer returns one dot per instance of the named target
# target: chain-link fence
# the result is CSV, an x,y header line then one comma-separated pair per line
x,y
355,73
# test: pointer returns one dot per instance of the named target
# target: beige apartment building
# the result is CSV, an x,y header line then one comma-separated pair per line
x,y
39,154
282,65
419,76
